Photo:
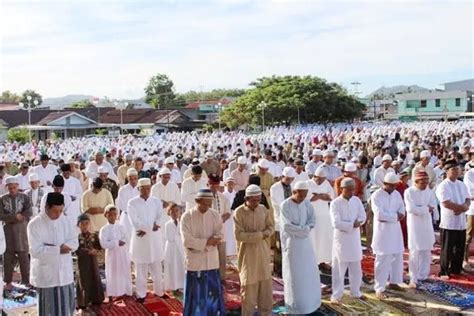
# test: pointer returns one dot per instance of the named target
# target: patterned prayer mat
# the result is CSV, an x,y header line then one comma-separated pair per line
x,y
355,306
163,306
19,298
128,307
449,293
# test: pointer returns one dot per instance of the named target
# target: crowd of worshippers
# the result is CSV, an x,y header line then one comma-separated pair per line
x,y
289,210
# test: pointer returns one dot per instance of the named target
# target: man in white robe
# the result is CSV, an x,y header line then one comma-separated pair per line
x,y
302,283
241,174
125,194
191,186
23,180
165,189
73,188
45,171
387,242
347,215
420,202
146,249
92,170
35,193
381,171
175,174
315,162
332,172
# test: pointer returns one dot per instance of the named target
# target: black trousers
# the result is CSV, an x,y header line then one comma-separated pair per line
x,y
452,251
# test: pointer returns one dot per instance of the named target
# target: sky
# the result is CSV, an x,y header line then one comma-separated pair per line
x,y
112,48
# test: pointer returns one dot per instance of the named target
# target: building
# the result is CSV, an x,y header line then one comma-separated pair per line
x,y
380,109
207,111
435,105
462,85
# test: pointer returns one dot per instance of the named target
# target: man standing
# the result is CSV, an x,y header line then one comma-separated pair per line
x,y
332,172
146,245
201,228
73,188
92,170
15,212
420,203
241,174
191,186
301,175
301,278
35,193
52,240
424,165
175,174
253,228
350,169
93,203
347,215
23,181
387,244
165,189
469,182
315,162
383,170
455,201
45,171
126,193
109,184
123,169
211,165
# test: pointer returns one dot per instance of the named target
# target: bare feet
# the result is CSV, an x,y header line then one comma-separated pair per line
x,y
380,295
444,277
412,285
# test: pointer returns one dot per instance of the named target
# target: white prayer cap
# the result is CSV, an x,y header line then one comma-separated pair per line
x,y
347,182
350,167
169,160
128,157
425,154
301,185
395,162
132,172
289,172
102,169
355,160
229,179
164,171
33,177
11,180
391,178
143,182
253,190
264,163
321,172
242,160
328,153
317,152
386,158
209,155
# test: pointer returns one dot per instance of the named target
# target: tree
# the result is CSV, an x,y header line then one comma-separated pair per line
x,y
18,134
10,97
315,99
34,96
159,92
215,94
86,103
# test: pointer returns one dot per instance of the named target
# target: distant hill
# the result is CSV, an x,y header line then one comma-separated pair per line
x,y
66,101
390,92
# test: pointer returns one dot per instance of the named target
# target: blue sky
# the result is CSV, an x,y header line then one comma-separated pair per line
x,y
111,48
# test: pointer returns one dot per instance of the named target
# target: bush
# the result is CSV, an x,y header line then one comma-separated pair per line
x,y
18,134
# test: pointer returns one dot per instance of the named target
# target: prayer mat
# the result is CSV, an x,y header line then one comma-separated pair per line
x,y
129,306
163,306
455,295
20,297
465,280
356,306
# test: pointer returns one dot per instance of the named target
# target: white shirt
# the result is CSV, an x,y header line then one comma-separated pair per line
x,y
23,181
303,176
312,166
168,193
92,170
125,193
455,192
189,189
46,174
379,175
196,229
469,182
277,197
73,187
50,268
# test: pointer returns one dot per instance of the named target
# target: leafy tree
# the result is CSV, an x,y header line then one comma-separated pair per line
x,y
214,94
159,92
18,134
34,96
86,103
10,97
283,97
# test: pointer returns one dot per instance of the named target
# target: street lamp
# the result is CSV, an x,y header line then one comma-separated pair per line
x,y
121,105
263,105
28,106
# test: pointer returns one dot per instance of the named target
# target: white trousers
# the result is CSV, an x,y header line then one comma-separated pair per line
x,y
388,267
338,273
419,265
141,273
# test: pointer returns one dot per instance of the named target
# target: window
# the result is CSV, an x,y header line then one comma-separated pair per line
x,y
423,104
458,101
412,104
438,103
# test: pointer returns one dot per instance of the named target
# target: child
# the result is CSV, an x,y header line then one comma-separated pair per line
x,y
89,287
117,262
174,250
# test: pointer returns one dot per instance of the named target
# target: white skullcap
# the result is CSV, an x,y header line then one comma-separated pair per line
x,y
229,179
169,160
301,185
209,155
33,177
395,162
425,154
264,163
387,158
289,172
11,180
242,160
144,181
102,169
346,182
253,190
317,152
354,160
321,172
164,171
391,178
132,172
350,167
128,157
328,153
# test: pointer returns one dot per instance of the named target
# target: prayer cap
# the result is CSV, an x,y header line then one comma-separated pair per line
x,y
301,185
253,190
289,172
425,154
347,182
391,178
317,152
320,172
33,177
164,171
204,194
263,163
11,180
58,181
350,167
387,158
209,155
328,153
213,178
82,217
242,160
169,160
132,172
195,161
54,198
129,157
421,175
102,169
143,182
229,179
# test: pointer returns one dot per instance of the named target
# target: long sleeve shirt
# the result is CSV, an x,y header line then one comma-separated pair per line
x,y
189,189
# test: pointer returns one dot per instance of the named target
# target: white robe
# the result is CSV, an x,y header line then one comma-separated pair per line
x,y
70,211
277,196
189,189
125,194
302,283
174,257
168,193
230,243
117,260
92,171
46,174
322,234
73,188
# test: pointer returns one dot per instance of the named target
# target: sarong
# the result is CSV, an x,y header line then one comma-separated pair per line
x,y
203,294
56,301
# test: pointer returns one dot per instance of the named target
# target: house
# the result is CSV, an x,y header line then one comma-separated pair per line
x,y
463,85
208,110
63,124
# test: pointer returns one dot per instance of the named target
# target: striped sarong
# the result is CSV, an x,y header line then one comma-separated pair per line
x,y
203,294
56,301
